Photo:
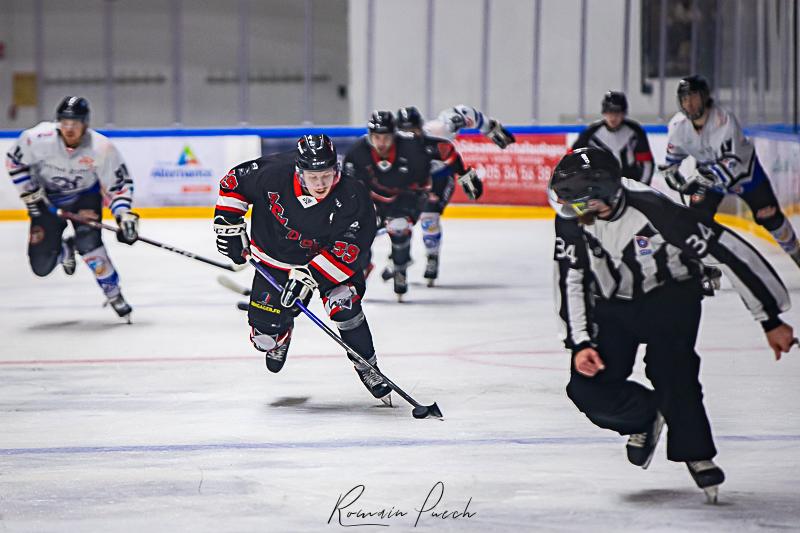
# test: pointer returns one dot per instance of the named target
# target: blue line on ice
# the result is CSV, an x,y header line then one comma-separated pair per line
x,y
388,443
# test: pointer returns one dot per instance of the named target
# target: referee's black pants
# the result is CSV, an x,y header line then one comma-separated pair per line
x,y
666,321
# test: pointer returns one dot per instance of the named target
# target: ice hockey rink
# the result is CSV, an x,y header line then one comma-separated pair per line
x,y
174,424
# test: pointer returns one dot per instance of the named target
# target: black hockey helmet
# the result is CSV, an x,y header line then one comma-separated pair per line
x,y
315,152
73,108
615,102
381,122
409,118
583,175
694,84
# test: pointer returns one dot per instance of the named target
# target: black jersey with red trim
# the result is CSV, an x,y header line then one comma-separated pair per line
x,y
405,169
445,159
290,228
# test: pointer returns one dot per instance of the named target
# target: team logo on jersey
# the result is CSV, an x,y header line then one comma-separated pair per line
x,y
384,165
229,181
86,160
643,245
307,201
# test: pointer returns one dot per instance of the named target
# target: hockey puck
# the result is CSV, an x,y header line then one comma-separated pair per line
x,y
420,412
242,306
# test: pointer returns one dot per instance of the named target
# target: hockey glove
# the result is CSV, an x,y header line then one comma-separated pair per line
x,y
128,231
232,239
473,186
300,286
35,201
697,183
499,135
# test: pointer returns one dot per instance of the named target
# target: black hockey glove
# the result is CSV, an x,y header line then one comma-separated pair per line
x,y
128,231
473,186
36,202
232,239
499,135
300,286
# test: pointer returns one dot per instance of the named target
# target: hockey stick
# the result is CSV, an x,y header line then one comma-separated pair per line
x,y
229,284
419,411
99,225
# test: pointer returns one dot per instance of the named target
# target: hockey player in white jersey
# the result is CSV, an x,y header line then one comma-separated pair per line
x,y
452,120
726,162
67,165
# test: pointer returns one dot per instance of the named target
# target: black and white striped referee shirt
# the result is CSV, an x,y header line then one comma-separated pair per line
x,y
649,242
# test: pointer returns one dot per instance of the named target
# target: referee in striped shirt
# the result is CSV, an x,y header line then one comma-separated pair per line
x,y
628,273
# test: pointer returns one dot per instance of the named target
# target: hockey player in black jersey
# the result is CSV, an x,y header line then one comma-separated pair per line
x,y
396,169
623,251
445,170
312,228
621,136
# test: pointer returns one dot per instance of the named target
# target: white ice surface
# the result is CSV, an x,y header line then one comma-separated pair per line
x,y
174,424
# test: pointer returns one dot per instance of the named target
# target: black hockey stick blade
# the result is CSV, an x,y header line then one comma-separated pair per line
x,y
427,411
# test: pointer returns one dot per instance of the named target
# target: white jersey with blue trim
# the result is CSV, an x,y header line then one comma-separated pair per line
x,y
719,147
41,159
453,119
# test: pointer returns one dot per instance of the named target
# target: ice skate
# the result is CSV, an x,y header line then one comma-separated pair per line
x,y
642,446
276,356
400,283
432,269
120,306
708,477
68,256
375,383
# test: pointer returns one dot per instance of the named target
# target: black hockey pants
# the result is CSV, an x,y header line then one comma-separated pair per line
x,y
666,320
44,240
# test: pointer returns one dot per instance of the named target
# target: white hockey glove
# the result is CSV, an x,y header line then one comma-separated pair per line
x,y
499,135
299,287
232,239
473,186
35,201
128,231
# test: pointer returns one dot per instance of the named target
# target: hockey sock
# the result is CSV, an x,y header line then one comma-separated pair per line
x,y
104,271
785,236
431,232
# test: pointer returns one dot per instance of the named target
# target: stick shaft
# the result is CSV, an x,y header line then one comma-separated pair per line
x,y
99,225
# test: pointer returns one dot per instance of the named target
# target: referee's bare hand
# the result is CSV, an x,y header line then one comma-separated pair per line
x,y
781,339
588,362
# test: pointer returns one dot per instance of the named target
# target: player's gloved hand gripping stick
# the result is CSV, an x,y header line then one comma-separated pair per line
x,y
99,225
419,411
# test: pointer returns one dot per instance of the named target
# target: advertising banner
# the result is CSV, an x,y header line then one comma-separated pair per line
x,y
517,175
182,171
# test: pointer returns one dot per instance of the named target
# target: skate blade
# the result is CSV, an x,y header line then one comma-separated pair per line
x,y
712,494
128,318
431,282
400,298
387,400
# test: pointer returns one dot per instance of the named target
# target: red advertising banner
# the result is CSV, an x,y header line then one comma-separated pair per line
x,y
517,175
